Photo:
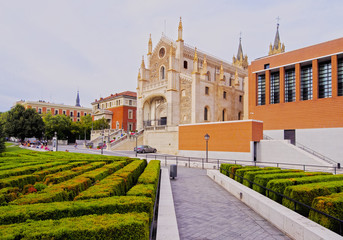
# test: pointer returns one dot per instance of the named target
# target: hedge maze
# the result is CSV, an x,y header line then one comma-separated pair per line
x,y
320,190
76,196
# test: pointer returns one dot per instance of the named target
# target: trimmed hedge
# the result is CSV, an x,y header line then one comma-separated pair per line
x,y
147,190
241,171
279,185
107,226
332,205
225,168
307,192
116,184
250,175
57,210
264,179
8,195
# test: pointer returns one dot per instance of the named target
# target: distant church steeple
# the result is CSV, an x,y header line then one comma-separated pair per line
x,y
240,60
277,47
78,100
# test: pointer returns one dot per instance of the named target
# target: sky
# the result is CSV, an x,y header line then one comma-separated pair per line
x,y
49,50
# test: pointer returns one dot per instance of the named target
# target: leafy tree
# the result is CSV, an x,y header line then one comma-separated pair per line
x,y
100,124
60,124
21,123
82,127
2,136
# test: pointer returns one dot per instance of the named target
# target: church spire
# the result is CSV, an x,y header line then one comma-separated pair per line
x,y
277,47
143,64
180,31
78,99
240,60
150,46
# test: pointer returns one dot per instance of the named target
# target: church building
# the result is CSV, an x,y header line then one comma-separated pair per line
x,y
180,84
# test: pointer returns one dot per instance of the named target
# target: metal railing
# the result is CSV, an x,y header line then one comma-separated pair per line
x,y
295,202
214,163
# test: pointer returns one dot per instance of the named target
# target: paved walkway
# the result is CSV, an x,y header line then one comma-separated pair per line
x,y
205,210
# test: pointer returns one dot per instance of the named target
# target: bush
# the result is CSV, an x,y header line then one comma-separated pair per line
x,y
264,179
279,185
132,172
332,205
107,226
147,190
151,173
225,168
57,210
252,174
241,171
307,192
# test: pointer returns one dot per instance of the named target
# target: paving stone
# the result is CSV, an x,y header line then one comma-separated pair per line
x,y
205,211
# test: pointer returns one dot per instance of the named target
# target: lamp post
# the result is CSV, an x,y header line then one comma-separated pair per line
x,y
56,141
102,145
207,137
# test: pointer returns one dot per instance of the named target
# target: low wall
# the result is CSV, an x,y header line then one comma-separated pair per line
x,y
289,222
283,152
165,141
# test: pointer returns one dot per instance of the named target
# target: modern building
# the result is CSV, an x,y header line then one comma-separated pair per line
x,y
299,96
43,107
118,109
180,84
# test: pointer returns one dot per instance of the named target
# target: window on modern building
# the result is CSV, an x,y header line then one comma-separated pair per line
x,y
266,66
162,73
130,114
130,102
185,64
324,80
261,89
240,98
274,87
224,95
207,90
71,114
340,77
39,110
306,83
56,112
290,85
78,114
206,114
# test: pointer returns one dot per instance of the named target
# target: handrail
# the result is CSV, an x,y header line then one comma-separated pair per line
x,y
153,226
290,199
309,150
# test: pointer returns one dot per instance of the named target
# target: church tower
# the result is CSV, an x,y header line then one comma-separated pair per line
x,y
78,100
240,60
277,47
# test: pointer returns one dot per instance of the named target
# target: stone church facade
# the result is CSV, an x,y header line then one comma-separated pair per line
x,y
179,85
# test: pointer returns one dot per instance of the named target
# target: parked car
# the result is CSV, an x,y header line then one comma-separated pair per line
x,y
145,149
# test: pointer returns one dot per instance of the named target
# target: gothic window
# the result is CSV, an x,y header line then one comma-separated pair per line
x,y
208,76
206,114
185,65
224,95
239,115
223,115
207,90
162,73
162,52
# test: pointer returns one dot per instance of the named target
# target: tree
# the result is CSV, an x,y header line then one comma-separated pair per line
x,y
100,124
2,136
21,123
60,124
82,127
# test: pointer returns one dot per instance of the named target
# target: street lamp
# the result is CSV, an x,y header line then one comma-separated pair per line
x,y
56,141
102,145
207,137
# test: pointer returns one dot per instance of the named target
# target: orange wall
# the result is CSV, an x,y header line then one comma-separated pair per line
x,y
121,114
315,113
232,136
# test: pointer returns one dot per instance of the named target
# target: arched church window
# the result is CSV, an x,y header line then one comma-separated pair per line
x,y
185,64
223,115
162,73
206,114
208,76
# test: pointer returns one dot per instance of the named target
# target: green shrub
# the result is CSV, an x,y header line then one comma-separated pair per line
x,y
264,179
18,181
225,168
307,192
279,185
57,210
241,171
250,175
151,173
8,195
106,226
332,205
40,186
132,172
147,190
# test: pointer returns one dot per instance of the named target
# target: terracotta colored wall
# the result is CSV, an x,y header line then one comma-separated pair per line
x,y
121,115
315,113
232,136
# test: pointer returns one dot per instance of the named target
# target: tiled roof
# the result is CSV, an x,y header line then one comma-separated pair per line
x,y
112,96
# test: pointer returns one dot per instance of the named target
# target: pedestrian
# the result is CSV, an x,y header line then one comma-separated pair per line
x,y
75,145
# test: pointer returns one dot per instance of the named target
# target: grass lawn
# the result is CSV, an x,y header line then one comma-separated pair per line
x,y
11,148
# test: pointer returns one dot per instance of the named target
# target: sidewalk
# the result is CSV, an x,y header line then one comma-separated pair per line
x,y
204,211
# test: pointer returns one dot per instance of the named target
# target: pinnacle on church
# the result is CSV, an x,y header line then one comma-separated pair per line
x,y
277,47
240,50
143,64
78,100
180,31
195,55
150,46
241,60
